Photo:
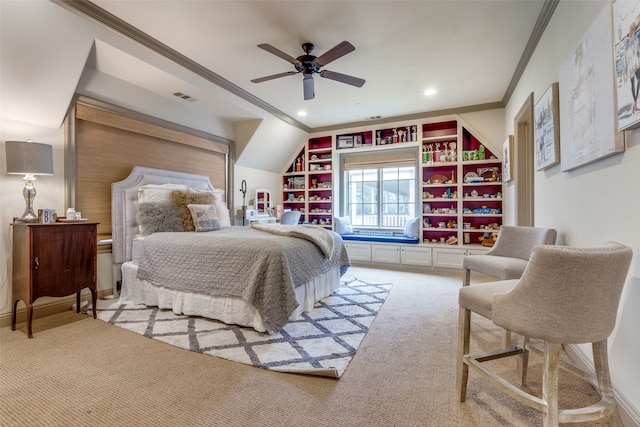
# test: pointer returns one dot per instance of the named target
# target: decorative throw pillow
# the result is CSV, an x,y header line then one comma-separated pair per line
x,y
156,217
412,228
219,203
343,225
184,198
205,217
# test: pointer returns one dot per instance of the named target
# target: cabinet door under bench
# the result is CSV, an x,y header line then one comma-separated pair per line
x,y
53,260
358,251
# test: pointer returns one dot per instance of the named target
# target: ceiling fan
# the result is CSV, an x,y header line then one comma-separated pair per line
x,y
308,64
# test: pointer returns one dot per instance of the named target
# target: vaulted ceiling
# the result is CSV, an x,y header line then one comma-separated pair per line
x,y
468,51
471,52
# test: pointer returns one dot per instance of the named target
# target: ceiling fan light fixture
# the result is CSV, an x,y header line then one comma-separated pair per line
x,y
309,64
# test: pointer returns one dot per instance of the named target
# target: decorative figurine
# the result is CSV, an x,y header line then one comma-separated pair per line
x,y
453,155
401,136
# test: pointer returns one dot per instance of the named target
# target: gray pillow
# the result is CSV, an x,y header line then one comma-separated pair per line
x,y
156,217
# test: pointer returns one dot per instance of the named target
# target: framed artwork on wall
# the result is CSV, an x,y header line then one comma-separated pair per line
x,y
626,42
547,129
507,159
587,97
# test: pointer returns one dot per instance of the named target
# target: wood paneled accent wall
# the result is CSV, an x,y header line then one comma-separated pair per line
x,y
107,145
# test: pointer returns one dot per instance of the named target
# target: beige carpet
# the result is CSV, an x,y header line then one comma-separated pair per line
x,y
81,371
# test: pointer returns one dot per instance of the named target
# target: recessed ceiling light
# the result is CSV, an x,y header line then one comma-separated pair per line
x,y
302,113
430,92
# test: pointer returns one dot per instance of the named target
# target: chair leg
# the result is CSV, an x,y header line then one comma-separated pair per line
x,y
550,383
605,388
464,332
467,277
523,362
506,339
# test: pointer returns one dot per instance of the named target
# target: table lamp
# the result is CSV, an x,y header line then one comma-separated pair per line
x,y
29,159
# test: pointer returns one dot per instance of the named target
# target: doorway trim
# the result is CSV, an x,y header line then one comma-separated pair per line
x,y
524,171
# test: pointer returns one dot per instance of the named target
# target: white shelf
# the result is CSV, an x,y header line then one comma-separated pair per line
x,y
441,138
440,185
481,162
480,184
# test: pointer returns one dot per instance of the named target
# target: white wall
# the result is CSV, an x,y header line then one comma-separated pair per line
x,y
255,178
49,193
594,203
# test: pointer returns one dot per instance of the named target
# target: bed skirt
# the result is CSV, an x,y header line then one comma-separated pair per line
x,y
229,310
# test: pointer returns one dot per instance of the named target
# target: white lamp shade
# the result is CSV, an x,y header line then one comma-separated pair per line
x,y
30,158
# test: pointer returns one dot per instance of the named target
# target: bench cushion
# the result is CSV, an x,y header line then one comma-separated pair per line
x,y
381,239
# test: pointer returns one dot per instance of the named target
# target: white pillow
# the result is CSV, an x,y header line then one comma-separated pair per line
x,y
412,228
158,193
342,225
204,217
221,207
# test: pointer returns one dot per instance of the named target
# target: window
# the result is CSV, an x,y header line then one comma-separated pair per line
x,y
380,191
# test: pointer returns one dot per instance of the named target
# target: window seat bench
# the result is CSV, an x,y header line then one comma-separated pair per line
x,y
380,239
405,251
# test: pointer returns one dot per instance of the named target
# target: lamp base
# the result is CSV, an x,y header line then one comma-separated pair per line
x,y
28,217
29,193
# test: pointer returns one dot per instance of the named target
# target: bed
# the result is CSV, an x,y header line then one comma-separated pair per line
x,y
260,277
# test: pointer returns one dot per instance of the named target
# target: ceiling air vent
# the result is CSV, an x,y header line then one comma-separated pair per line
x,y
183,96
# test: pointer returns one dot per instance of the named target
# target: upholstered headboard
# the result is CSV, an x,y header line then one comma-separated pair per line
x,y
124,208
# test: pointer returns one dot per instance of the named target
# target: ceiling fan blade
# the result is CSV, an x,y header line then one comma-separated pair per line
x,y
279,53
342,78
307,85
334,53
274,76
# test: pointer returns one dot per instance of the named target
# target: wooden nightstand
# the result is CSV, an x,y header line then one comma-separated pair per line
x,y
53,260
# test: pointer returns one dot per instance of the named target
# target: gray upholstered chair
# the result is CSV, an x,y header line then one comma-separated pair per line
x,y
290,218
565,296
509,255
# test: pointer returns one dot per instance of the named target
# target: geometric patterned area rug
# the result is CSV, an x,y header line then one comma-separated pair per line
x,y
320,342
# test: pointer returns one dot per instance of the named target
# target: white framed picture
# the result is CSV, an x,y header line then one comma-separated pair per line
x,y
547,129
507,159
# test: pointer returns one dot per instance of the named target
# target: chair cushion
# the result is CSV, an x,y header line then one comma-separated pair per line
x,y
479,298
503,268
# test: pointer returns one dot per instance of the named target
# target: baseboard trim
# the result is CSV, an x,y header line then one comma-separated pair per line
x,y
55,306
628,413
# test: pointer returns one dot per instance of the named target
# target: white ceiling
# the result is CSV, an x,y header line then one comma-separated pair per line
x,y
467,50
